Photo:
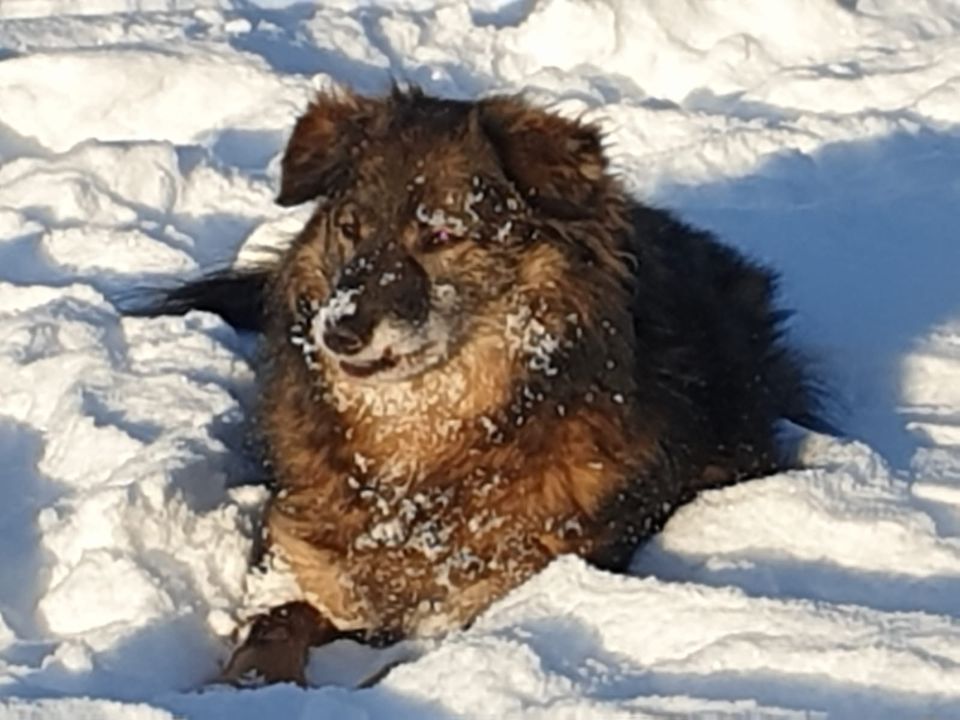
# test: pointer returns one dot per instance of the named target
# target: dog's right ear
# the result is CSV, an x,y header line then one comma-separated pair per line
x,y
556,163
321,154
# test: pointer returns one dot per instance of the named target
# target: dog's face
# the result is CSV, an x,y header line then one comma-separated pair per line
x,y
428,216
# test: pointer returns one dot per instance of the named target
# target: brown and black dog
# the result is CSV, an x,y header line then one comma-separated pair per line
x,y
480,353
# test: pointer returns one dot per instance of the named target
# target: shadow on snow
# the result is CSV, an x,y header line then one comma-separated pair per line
x,y
864,235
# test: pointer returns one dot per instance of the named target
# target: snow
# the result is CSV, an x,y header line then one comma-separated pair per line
x,y
140,142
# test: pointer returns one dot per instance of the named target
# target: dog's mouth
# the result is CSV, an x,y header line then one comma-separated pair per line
x,y
368,369
392,366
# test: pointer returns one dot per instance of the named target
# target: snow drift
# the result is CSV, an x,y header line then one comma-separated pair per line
x,y
139,143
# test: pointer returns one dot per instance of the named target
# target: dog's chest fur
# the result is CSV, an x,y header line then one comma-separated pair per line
x,y
422,503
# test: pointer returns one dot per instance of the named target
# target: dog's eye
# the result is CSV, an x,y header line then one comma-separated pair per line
x,y
439,229
437,238
350,230
348,223
441,236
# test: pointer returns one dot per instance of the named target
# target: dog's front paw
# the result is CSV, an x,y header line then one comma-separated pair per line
x,y
277,646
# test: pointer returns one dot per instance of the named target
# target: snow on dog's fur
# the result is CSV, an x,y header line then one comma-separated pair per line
x,y
480,354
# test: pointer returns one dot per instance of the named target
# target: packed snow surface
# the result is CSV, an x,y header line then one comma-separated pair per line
x,y
139,143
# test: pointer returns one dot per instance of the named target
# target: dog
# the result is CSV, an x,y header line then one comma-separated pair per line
x,y
479,354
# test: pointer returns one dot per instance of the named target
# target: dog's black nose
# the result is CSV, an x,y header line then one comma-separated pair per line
x,y
342,340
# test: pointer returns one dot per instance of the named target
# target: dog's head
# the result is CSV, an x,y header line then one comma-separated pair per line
x,y
432,213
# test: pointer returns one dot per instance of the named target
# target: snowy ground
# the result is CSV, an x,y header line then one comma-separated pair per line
x,y
139,141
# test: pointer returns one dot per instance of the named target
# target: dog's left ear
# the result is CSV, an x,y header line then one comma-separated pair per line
x,y
556,163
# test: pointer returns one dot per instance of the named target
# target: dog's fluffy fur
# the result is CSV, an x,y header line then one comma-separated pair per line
x,y
480,353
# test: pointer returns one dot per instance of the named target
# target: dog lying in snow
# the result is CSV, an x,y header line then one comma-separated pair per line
x,y
479,354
